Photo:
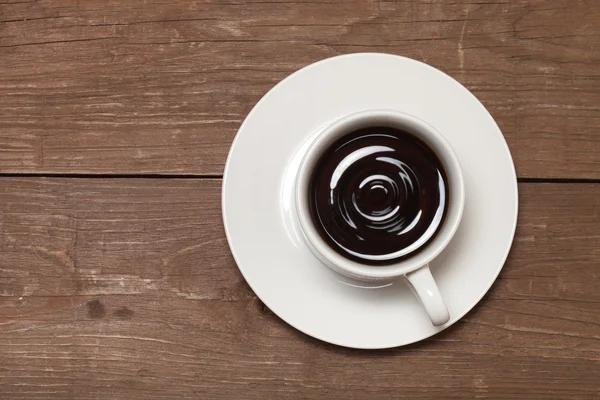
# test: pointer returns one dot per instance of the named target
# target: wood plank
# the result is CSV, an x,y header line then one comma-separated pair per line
x,y
125,289
161,87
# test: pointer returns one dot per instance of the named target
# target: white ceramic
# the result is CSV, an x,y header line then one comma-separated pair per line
x,y
415,268
266,240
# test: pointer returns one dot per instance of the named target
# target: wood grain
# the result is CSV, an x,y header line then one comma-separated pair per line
x,y
125,289
161,87
115,288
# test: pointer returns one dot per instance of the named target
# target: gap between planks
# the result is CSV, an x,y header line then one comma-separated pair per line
x,y
220,176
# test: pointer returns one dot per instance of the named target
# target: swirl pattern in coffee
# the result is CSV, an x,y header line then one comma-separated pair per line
x,y
378,195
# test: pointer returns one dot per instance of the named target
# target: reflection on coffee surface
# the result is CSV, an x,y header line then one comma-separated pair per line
x,y
378,195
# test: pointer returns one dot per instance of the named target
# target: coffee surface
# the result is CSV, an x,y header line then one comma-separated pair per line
x,y
378,195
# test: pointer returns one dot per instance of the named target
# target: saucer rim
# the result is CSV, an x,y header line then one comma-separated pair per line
x,y
308,332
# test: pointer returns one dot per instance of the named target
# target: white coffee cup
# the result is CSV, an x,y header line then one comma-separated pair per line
x,y
415,268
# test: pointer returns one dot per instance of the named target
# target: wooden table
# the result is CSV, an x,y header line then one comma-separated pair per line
x,y
116,281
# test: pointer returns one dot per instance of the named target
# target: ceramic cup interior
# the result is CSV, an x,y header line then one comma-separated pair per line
x,y
415,126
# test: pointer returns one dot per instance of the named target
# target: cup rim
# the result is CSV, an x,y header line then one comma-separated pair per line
x,y
417,127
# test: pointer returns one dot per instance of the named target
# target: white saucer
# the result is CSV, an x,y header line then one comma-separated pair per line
x,y
257,190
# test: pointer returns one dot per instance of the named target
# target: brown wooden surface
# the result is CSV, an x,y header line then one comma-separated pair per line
x,y
161,87
114,288
124,287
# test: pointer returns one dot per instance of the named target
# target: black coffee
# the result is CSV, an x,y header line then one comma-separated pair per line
x,y
378,195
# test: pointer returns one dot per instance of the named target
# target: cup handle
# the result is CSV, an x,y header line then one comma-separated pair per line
x,y
422,282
